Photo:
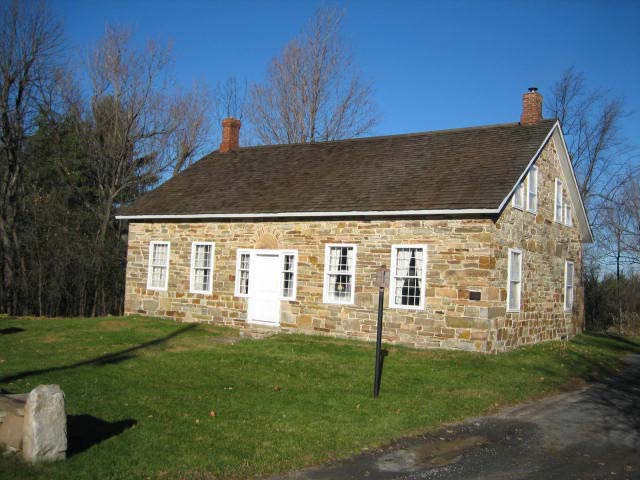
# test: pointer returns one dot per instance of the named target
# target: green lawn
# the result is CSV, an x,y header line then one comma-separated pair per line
x,y
150,398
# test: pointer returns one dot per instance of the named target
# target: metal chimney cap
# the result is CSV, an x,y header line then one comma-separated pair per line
x,y
533,89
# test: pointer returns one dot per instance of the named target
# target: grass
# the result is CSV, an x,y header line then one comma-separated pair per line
x,y
150,398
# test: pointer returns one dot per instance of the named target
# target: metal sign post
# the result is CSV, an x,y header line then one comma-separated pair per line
x,y
382,282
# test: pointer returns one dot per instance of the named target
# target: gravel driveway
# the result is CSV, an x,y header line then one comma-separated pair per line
x,y
592,433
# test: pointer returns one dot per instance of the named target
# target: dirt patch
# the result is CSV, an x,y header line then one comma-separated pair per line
x,y
51,339
113,325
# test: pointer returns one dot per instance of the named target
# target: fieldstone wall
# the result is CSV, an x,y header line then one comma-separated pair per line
x,y
462,255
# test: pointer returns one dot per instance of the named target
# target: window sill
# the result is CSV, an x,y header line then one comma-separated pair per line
x,y
407,307
156,289
327,301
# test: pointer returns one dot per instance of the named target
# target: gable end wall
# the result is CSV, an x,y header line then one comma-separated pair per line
x,y
545,245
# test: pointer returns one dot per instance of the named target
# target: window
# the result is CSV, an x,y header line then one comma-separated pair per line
x,y
408,269
243,261
158,275
339,273
514,280
532,193
567,214
201,267
518,196
568,286
289,266
557,216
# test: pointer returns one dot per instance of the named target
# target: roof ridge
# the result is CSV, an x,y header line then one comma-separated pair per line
x,y
395,135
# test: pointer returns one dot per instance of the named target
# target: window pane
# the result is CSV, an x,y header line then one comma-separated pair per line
x,y
201,278
514,266
160,254
570,274
518,199
287,285
158,275
288,280
514,295
203,256
340,259
340,287
244,282
558,201
409,289
533,189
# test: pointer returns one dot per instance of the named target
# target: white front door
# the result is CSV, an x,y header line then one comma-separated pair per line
x,y
264,289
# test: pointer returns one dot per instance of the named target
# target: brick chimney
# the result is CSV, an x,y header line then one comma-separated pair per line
x,y
230,135
531,107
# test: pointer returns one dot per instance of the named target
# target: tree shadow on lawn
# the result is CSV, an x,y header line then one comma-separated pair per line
x,y
85,431
108,359
10,330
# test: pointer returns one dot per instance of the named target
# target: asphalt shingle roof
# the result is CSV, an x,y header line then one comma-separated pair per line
x,y
469,168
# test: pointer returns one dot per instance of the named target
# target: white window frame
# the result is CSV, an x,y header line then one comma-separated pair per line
x,y
150,265
568,299
567,214
392,285
239,254
326,298
520,255
532,177
294,289
281,253
519,196
557,201
192,270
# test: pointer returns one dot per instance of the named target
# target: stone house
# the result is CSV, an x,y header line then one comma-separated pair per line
x,y
481,229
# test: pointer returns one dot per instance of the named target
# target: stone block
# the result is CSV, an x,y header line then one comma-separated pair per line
x,y
11,432
45,425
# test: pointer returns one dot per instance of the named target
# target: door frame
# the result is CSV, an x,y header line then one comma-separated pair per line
x,y
280,253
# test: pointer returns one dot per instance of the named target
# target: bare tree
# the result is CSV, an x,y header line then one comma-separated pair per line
x,y
230,100
313,90
128,125
192,113
631,208
591,121
30,48
230,97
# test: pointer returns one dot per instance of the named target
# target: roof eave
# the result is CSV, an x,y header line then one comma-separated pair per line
x,y
363,213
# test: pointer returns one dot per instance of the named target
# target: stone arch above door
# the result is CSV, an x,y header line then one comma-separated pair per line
x,y
266,239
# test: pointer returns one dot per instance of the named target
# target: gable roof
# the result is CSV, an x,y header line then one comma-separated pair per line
x,y
467,170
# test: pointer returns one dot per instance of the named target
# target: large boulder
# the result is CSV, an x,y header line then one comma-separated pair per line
x,y
11,420
44,436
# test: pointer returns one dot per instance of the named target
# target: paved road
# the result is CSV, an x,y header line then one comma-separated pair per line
x,y
593,433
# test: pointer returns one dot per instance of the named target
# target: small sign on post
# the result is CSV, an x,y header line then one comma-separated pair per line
x,y
382,281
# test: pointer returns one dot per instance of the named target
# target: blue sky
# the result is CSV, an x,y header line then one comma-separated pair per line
x,y
434,65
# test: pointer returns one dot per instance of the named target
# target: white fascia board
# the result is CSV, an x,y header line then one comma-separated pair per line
x,y
572,186
363,213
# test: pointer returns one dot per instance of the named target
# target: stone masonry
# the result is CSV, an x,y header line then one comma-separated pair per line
x,y
462,255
